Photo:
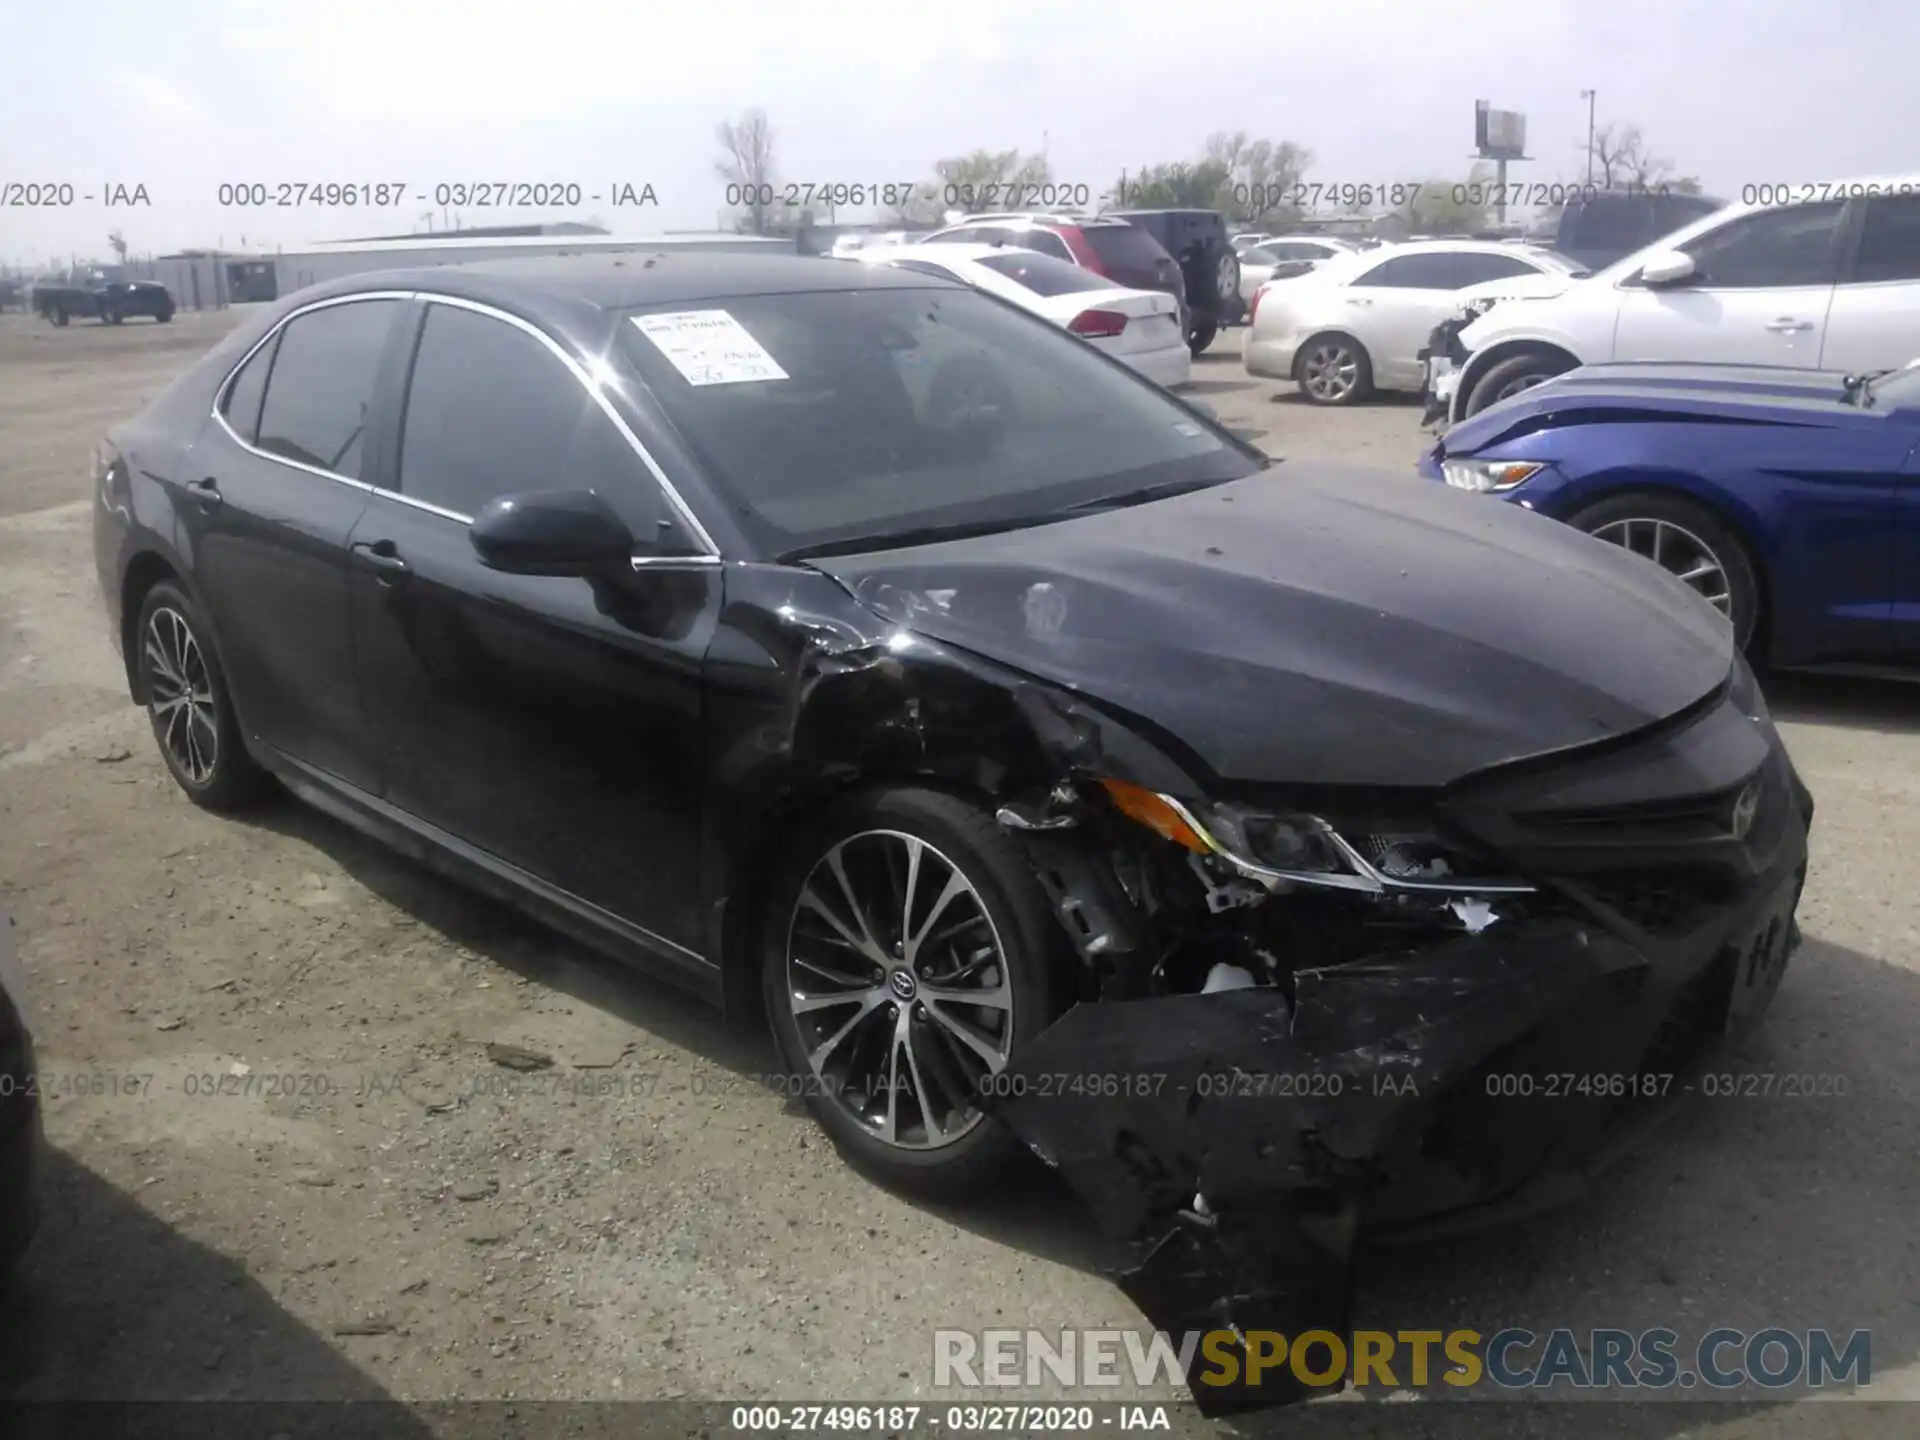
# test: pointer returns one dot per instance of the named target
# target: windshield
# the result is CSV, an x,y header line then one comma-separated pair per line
x,y
1044,275
1557,261
1898,391
851,419
1258,255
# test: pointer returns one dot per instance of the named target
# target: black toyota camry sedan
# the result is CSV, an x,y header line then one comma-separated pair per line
x,y
1044,763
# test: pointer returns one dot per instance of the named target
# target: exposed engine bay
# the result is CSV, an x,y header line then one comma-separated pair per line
x,y
1292,1019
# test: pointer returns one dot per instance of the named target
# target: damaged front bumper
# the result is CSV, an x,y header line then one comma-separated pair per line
x,y
1244,1143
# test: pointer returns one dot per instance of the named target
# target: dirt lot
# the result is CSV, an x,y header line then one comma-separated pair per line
x,y
404,1224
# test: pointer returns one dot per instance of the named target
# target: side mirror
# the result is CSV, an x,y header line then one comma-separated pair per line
x,y
1669,267
551,532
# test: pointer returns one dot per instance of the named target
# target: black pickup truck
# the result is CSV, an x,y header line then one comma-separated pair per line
x,y
101,295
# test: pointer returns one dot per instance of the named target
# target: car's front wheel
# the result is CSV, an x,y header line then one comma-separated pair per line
x,y
906,958
1511,377
1200,335
188,704
1687,541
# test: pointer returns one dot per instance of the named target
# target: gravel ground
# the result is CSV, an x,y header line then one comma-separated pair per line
x,y
314,1182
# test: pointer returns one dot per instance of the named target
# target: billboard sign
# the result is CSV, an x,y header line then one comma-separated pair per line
x,y
1499,134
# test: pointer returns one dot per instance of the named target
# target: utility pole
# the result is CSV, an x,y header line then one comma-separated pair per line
x,y
1590,97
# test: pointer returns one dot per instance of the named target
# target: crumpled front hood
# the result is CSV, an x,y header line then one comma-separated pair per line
x,y
1670,393
1321,624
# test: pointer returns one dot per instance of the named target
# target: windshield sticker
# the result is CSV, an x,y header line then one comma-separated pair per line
x,y
709,347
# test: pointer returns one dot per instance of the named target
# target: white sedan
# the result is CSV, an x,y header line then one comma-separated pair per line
x,y
1357,323
1140,328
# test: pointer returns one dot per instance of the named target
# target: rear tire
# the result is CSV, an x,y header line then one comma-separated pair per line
x,y
165,315
1682,537
995,938
58,315
1334,369
188,704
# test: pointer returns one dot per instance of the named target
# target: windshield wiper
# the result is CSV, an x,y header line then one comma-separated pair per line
x,y
1858,389
1145,493
903,539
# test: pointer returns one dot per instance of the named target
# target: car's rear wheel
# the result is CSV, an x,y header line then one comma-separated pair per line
x,y
907,956
1334,370
58,314
1200,334
163,316
1511,377
1685,540
188,704
111,315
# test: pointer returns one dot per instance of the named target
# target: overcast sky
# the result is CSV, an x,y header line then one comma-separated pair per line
x,y
181,95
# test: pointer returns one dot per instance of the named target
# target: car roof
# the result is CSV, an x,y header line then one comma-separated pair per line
x,y
1031,217
939,254
626,281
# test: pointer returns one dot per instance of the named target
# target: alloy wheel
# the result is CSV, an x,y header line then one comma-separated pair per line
x,y
1517,384
898,984
1331,371
1676,550
180,696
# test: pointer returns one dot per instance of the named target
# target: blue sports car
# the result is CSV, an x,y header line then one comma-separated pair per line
x,y
1790,499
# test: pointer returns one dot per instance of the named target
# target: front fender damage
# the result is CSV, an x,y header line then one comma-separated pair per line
x,y
1230,1139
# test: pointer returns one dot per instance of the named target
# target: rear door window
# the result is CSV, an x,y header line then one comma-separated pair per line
x,y
321,387
1124,247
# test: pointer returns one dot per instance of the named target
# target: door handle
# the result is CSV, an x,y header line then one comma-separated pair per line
x,y
206,493
1786,324
383,556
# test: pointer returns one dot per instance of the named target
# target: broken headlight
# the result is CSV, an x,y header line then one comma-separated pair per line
x,y
1277,847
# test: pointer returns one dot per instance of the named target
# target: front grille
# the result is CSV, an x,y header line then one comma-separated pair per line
x,y
1668,901
1668,820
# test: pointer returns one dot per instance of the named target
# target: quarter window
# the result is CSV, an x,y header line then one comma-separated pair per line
x,y
1792,245
321,387
491,412
241,406
1890,240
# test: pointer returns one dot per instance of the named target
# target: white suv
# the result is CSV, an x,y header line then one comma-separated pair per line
x,y
1809,276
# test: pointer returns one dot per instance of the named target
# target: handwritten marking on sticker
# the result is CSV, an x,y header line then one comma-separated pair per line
x,y
709,347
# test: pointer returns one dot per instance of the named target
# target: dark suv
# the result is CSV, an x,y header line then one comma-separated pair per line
x,y
1600,227
1198,239
1124,253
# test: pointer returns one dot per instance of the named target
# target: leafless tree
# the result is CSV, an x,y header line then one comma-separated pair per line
x,y
118,243
746,160
1261,176
1621,157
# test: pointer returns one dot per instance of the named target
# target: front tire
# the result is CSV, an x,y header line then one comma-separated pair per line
x,y
907,955
1510,377
58,315
1687,541
188,704
164,316
1200,335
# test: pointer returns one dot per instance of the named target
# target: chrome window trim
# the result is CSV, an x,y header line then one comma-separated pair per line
x,y
674,498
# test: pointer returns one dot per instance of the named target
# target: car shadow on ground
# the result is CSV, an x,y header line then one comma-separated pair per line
x,y
1747,1208
520,944
1890,706
111,1304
